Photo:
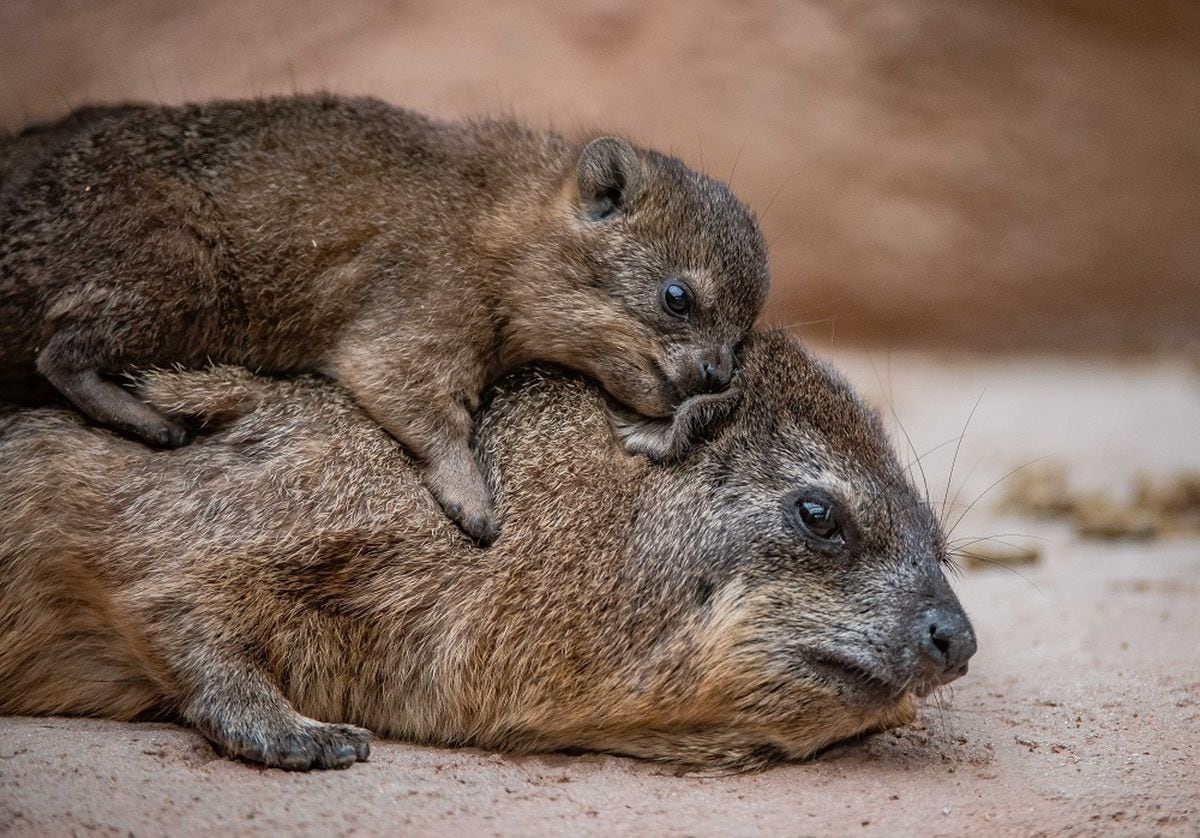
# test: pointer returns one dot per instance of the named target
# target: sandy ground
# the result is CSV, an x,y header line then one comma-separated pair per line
x,y
997,173
1081,713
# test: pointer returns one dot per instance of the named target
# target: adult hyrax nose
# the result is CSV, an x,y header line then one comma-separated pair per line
x,y
716,369
947,640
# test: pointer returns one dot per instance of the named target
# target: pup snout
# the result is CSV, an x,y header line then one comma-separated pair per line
x,y
714,370
946,641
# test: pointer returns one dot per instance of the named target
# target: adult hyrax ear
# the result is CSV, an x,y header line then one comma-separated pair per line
x,y
609,173
668,440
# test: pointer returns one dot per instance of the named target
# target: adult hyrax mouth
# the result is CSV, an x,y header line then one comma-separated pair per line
x,y
862,683
856,681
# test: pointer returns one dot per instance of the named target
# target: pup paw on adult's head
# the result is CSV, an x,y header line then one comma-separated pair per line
x,y
669,439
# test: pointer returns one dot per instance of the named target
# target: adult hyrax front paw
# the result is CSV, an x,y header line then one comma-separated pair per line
x,y
302,746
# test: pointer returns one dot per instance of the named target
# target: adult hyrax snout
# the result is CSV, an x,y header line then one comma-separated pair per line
x,y
774,586
412,260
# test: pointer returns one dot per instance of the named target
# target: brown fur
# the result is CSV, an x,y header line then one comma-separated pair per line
x,y
411,260
288,567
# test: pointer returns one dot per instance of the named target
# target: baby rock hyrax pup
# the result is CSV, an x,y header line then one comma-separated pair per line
x,y
411,260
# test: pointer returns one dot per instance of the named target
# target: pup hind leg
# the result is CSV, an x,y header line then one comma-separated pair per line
x,y
66,363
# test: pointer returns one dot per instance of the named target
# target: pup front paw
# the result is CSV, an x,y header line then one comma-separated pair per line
x,y
479,524
482,528
458,486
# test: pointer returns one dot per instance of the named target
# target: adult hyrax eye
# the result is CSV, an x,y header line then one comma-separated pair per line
x,y
816,515
676,298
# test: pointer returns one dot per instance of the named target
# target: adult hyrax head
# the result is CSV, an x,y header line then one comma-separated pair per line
x,y
654,273
800,534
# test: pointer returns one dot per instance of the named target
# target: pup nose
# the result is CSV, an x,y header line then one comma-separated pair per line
x,y
716,369
947,640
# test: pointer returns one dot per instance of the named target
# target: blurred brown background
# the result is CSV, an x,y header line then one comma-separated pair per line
x,y
999,174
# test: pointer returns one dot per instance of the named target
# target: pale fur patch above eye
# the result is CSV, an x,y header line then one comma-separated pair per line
x,y
702,286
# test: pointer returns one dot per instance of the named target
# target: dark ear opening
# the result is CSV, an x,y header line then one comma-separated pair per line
x,y
668,440
609,173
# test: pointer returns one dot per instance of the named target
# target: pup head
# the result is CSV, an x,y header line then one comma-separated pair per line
x,y
672,270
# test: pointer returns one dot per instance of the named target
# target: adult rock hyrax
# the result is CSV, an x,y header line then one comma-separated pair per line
x,y
285,577
411,260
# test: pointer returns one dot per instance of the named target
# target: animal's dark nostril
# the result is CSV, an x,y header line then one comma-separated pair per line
x,y
940,640
713,374
947,640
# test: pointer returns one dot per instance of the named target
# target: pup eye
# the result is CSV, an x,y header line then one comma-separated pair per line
x,y
816,515
676,299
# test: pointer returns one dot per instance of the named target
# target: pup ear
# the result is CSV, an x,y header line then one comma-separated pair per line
x,y
669,440
609,173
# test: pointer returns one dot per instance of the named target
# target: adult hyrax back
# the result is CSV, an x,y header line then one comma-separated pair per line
x,y
411,260
778,589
